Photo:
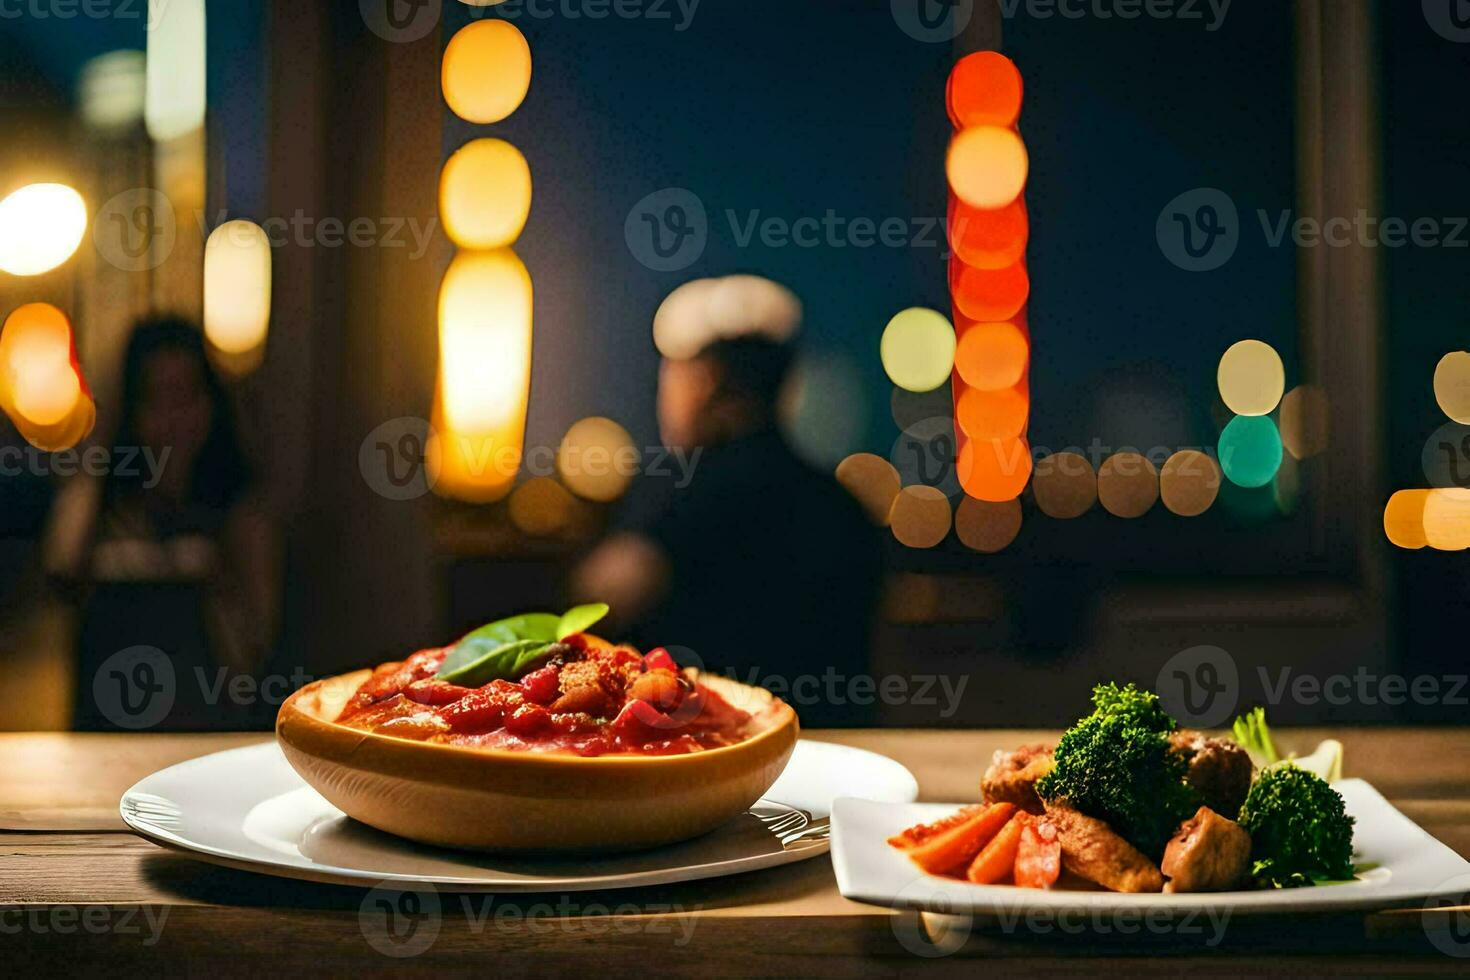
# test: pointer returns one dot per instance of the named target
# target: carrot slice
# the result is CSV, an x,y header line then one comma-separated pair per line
x,y
919,833
996,859
1039,856
951,851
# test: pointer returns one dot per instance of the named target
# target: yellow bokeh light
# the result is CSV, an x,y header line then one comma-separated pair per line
x,y
874,481
41,226
111,90
1251,378
484,375
1452,386
1127,485
485,194
41,388
1403,519
44,398
1305,421
237,287
486,71
920,517
918,349
541,507
175,87
987,166
1447,519
1189,483
597,459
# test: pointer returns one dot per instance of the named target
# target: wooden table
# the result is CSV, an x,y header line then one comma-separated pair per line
x,y
77,890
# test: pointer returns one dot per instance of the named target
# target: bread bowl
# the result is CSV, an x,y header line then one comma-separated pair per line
x,y
498,791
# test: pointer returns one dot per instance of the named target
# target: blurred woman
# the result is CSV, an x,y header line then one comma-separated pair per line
x,y
175,564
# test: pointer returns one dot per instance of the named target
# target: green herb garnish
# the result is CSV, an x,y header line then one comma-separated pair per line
x,y
508,649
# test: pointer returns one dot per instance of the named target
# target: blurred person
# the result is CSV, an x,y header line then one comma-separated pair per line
x,y
764,567
170,549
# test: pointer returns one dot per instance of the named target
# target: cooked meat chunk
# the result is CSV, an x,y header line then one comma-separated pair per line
x,y
1012,777
1091,850
1209,854
1219,769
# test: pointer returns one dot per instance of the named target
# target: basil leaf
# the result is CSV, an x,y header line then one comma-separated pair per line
x,y
579,619
483,661
530,626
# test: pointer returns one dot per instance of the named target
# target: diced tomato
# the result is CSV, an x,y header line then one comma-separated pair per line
x,y
658,659
540,686
435,692
1039,856
528,719
483,709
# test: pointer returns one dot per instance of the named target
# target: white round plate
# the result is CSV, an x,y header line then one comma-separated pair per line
x,y
247,808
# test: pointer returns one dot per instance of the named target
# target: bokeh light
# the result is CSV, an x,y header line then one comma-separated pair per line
x,y
1250,450
988,239
1064,485
823,407
984,89
993,469
912,407
1127,485
986,526
1447,519
701,311
237,286
174,103
1000,414
920,517
989,295
41,226
485,194
597,459
41,386
111,90
1189,483
992,356
1403,519
486,71
918,349
987,166
541,507
873,481
1305,422
1251,378
1452,385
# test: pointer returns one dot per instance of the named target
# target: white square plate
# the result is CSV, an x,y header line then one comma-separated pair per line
x,y
1411,867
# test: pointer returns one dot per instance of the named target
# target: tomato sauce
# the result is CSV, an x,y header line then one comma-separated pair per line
x,y
586,700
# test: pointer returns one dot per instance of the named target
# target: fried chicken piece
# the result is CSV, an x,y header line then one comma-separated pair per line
x,y
1091,850
1012,776
1208,854
1219,769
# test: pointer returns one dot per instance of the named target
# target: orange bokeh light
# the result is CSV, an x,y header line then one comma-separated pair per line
x,y
1000,414
987,166
984,90
988,295
988,239
992,356
41,384
993,469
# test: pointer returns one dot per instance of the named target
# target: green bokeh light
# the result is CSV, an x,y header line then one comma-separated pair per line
x,y
1250,450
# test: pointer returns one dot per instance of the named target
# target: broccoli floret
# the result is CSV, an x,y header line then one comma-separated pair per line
x,y
1116,765
1299,831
